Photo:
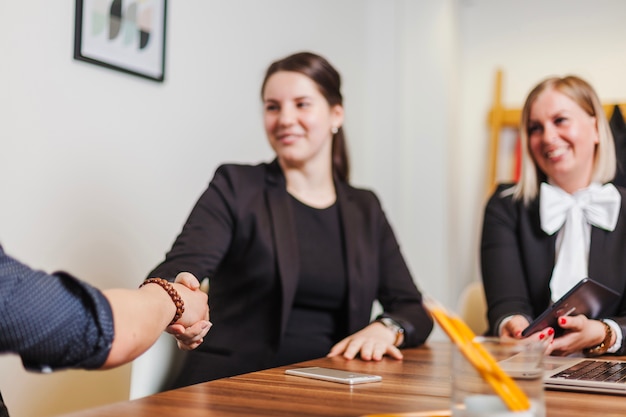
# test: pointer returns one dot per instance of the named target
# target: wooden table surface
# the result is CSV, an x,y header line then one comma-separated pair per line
x,y
420,382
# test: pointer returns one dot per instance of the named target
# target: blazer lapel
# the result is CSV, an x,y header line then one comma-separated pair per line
x,y
540,252
605,253
285,240
605,257
351,222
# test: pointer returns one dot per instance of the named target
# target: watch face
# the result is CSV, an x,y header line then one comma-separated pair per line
x,y
391,325
394,327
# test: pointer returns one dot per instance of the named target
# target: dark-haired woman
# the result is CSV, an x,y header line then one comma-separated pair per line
x,y
295,255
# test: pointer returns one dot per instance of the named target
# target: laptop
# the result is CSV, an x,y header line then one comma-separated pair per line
x,y
603,375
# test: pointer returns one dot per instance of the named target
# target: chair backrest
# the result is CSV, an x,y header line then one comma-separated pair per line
x,y
472,307
152,371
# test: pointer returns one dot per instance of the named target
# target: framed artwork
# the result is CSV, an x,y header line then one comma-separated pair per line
x,y
125,35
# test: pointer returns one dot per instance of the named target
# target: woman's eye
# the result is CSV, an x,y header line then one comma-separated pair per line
x,y
303,104
271,107
532,129
559,120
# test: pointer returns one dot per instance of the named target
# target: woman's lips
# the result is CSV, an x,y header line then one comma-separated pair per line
x,y
555,153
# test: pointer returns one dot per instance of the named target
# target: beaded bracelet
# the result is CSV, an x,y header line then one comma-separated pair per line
x,y
178,301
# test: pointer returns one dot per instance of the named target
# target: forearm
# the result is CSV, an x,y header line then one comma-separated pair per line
x,y
210,226
141,315
139,318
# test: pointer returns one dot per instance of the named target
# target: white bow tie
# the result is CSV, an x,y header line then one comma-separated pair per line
x,y
599,205
596,205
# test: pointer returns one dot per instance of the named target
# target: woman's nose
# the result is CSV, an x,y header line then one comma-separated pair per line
x,y
286,116
549,133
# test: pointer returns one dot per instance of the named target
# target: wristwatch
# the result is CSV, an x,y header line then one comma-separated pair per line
x,y
603,346
394,327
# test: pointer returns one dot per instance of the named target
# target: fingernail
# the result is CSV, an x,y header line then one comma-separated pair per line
x,y
550,332
542,336
518,333
563,320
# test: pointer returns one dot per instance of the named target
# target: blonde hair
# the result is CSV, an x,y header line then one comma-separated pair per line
x,y
583,94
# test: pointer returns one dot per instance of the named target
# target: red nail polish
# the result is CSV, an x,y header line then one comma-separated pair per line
x,y
550,332
542,336
563,321
518,333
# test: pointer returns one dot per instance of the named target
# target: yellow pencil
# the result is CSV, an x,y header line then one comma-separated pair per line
x,y
508,382
488,368
479,357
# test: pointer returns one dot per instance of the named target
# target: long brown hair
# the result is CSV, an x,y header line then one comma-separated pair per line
x,y
328,81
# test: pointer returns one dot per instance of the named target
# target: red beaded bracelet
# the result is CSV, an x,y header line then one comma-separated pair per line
x,y
167,286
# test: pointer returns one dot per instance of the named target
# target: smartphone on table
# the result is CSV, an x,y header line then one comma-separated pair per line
x,y
334,375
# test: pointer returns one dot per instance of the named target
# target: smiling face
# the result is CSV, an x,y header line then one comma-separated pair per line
x,y
562,140
298,120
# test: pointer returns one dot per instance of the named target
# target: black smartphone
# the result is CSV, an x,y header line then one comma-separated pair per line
x,y
588,297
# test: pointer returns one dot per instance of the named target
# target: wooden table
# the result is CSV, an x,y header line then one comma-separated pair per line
x,y
420,382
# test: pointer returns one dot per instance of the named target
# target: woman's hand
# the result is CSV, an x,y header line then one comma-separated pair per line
x,y
514,327
191,337
580,333
190,334
371,343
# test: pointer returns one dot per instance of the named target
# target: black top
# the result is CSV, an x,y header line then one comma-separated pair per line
x,y
317,320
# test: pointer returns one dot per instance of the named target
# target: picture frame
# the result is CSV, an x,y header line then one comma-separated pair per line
x,y
124,35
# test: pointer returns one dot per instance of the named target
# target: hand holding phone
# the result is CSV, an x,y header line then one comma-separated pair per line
x,y
588,297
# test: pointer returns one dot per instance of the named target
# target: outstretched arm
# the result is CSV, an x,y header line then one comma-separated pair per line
x,y
58,321
141,315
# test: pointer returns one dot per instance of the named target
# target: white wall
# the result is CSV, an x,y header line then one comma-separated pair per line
x,y
99,169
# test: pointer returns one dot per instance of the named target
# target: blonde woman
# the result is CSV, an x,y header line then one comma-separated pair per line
x,y
562,222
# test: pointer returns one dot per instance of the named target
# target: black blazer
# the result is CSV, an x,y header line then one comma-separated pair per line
x,y
241,234
517,259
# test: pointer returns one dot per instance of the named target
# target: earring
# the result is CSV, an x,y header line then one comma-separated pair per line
x,y
334,130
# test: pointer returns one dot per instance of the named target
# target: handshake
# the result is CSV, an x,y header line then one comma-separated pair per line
x,y
191,321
